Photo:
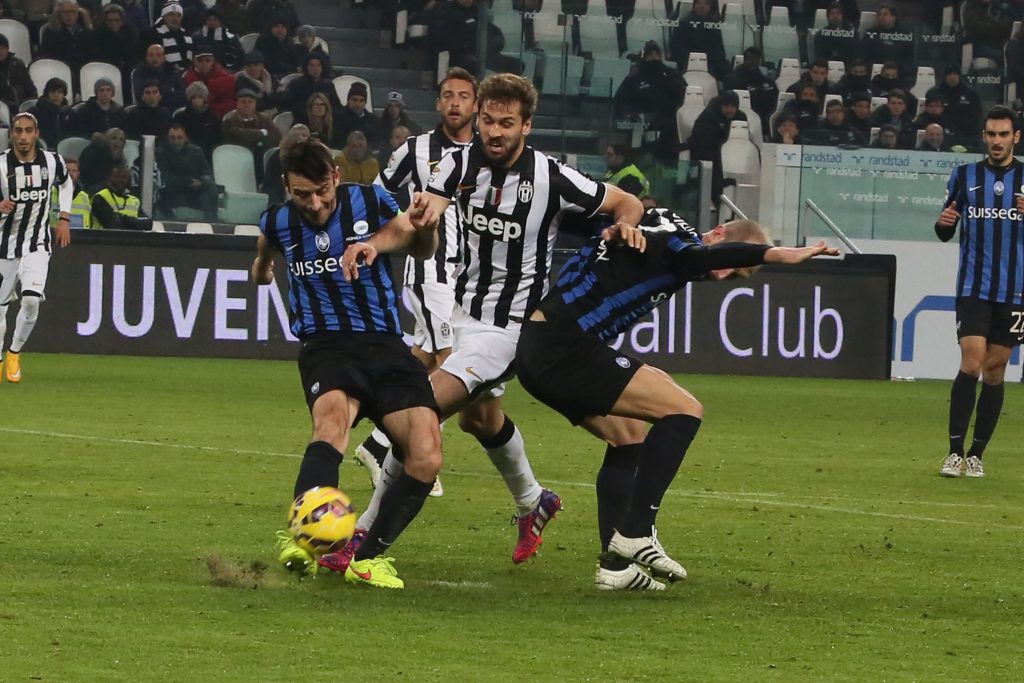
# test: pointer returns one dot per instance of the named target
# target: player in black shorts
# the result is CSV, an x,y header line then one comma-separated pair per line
x,y
563,360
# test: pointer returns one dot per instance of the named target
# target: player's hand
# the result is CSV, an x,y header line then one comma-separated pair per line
x,y
1019,201
950,216
63,232
421,215
356,255
794,255
624,233
262,271
6,206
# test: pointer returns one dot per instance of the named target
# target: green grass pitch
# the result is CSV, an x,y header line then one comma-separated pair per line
x,y
820,540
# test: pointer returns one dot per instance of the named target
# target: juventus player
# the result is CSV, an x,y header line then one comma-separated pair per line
x,y
429,284
28,176
510,199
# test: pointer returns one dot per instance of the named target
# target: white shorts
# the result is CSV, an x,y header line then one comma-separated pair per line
x,y
431,304
483,355
8,279
35,267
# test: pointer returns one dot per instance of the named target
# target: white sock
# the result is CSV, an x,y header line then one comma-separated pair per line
x,y
25,323
388,473
381,438
3,329
510,460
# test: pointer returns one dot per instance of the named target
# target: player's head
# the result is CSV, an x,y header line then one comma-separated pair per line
x,y
24,133
456,99
506,104
1001,133
312,180
748,231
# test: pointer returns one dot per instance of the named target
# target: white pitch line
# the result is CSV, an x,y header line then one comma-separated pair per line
x,y
484,585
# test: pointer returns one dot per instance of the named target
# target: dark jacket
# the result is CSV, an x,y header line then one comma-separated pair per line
x,y
862,126
280,57
15,84
652,88
54,121
87,118
172,91
261,12
226,47
178,167
96,160
710,131
369,124
221,85
880,87
764,93
904,124
806,114
850,84
300,89
837,43
203,127
74,48
105,217
895,45
699,34
833,136
177,43
140,119
235,17
963,106
120,48
826,88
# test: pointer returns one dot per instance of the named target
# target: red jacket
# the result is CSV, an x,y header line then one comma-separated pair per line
x,y
221,85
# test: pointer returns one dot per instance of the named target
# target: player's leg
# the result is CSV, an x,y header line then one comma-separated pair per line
x,y
8,281
35,267
990,404
974,321
3,336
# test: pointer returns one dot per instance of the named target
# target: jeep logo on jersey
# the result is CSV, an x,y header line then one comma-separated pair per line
x,y
30,195
361,228
323,241
525,191
496,227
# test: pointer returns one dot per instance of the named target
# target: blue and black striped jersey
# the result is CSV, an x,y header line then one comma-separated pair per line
x,y
320,298
991,230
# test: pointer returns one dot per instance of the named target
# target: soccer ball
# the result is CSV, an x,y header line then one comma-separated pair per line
x,y
322,520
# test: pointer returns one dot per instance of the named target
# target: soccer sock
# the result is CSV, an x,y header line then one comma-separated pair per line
x,y
961,405
319,467
614,489
663,453
389,472
378,444
990,403
399,505
26,322
508,453
3,329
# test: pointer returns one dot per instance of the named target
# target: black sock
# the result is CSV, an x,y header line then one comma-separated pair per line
x,y
961,405
319,467
614,490
399,506
504,435
990,403
663,453
378,450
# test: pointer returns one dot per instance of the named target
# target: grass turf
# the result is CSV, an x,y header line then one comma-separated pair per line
x,y
820,540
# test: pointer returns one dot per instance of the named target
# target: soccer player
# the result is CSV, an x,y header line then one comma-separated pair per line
x,y
29,174
353,362
429,284
989,196
510,199
563,360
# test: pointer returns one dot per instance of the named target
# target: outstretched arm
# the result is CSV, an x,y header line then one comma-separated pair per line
x,y
747,255
414,232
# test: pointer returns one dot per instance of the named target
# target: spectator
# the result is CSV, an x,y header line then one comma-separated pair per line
x,y
934,139
986,31
624,174
817,76
234,16
193,15
656,91
888,138
135,14
749,76
895,115
255,77
262,12
935,113
308,42
312,81
201,125
273,184
219,83
81,203
963,106
710,131
281,56
155,67
890,42
15,84
251,129
319,117
806,107
99,113
68,38
858,114
117,42
787,132
226,46
115,208
355,163
167,31
857,79
354,116
105,150
699,31
453,29
838,40
186,173
835,131
397,138
888,79
394,114
148,117
53,112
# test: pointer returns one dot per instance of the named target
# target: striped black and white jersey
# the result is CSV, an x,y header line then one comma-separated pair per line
x,y
409,168
509,221
27,227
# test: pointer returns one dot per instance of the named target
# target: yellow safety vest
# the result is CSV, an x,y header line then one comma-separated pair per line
x,y
81,209
128,205
625,172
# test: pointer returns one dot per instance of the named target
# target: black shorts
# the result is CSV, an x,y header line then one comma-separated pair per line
x,y
571,371
377,369
999,323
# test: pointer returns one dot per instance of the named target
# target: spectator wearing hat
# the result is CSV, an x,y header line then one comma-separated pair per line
x,y
394,114
263,12
68,37
355,116
252,129
201,124
963,106
148,117
254,76
655,90
234,16
219,83
186,173
280,55
749,76
355,162
700,32
858,113
53,112
313,80
308,42
167,31
15,83
227,48
135,14
99,113
117,41
155,67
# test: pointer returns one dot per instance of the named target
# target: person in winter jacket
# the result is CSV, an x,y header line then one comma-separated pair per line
x,y
226,46
217,80
15,84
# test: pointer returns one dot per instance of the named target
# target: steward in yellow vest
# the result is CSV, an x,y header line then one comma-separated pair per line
x,y
114,208
627,177
81,203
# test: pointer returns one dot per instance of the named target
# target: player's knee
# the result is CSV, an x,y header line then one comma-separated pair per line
x,y
424,459
478,424
30,304
993,372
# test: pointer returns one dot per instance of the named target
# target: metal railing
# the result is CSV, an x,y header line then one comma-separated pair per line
x,y
810,206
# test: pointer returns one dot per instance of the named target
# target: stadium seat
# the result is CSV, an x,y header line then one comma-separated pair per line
x,y
343,83
925,81
248,41
877,102
607,76
18,37
836,70
234,169
705,81
284,121
876,69
248,230
685,7
597,32
778,39
739,130
42,70
820,18
732,28
285,80
92,72
753,119
789,73
637,35
833,97
267,156
5,115
71,148
26,105
132,150
784,98
199,228
693,105
920,138
873,137
741,159
553,72
744,96
868,21
697,61
158,226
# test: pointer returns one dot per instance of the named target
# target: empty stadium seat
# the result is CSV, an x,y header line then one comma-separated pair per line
x,y
693,105
597,32
71,148
285,80
741,159
753,119
94,71
234,169
553,75
876,69
608,75
284,121
820,18
868,21
18,37
343,83
873,137
697,61
26,105
199,228
42,70
733,29
739,130
248,41
157,227
5,114
784,98
789,73
132,149
248,230
925,81
836,70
